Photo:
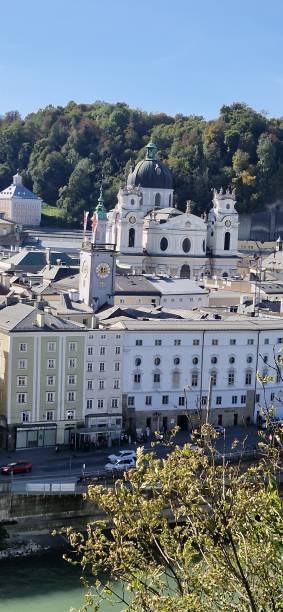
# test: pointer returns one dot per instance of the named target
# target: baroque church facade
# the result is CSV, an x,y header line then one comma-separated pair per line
x,y
152,236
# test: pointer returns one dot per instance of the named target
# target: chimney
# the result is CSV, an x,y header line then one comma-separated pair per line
x,y
40,319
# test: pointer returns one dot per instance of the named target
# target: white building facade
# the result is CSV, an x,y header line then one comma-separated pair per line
x,y
19,204
102,400
152,236
169,367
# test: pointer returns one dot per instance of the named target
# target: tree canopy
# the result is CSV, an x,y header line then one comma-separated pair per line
x,y
222,551
65,152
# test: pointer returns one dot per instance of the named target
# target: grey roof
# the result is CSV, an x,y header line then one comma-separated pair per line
x,y
18,191
164,213
64,304
35,259
271,288
181,325
172,286
44,288
22,317
134,285
142,313
58,272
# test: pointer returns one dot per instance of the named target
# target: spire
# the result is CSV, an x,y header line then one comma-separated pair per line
x,y
151,151
100,210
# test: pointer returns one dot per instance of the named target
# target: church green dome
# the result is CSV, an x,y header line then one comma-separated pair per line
x,y
150,172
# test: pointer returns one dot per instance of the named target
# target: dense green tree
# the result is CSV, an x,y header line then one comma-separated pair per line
x,y
241,147
223,550
78,194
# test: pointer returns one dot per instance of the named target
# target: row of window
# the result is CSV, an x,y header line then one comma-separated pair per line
x,y
103,336
49,415
51,347
50,396
214,341
101,384
182,401
51,363
102,350
195,360
100,403
195,375
22,381
101,366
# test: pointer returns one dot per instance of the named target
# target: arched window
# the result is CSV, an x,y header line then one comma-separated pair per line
x,y
194,381
157,200
227,241
163,244
175,378
213,377
185,271
138,361
132,202
248,377
132,234
170,199
186,245
203,246
225,275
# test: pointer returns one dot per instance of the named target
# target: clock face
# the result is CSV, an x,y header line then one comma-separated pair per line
x,y
103,270
132,219
84,269
227,222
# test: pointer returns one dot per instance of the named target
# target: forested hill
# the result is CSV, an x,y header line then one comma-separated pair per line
x,y
62,153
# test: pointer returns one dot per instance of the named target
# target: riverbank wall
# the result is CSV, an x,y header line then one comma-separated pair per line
x,y
41,514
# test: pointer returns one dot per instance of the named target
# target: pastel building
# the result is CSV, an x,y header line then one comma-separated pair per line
x,y
19,204
41,376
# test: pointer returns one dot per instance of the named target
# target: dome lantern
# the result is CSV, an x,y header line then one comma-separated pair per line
x,y
151,151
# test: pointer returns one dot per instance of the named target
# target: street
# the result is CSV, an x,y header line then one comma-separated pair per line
x,y
67,466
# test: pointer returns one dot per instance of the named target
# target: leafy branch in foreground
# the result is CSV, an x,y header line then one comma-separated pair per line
x,y
186,533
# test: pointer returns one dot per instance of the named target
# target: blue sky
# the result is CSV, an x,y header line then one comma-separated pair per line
x,y
176,56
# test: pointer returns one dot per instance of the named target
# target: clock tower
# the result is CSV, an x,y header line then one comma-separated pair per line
x,y
223,224
97,275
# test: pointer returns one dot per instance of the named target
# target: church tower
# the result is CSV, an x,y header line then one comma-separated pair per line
x,y
223,225
101,216
97,264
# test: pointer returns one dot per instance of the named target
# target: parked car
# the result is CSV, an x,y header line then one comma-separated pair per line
x,y
219,429
121,465
123,454
17,467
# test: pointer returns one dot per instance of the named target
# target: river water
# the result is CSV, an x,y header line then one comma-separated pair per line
x,y
43,583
